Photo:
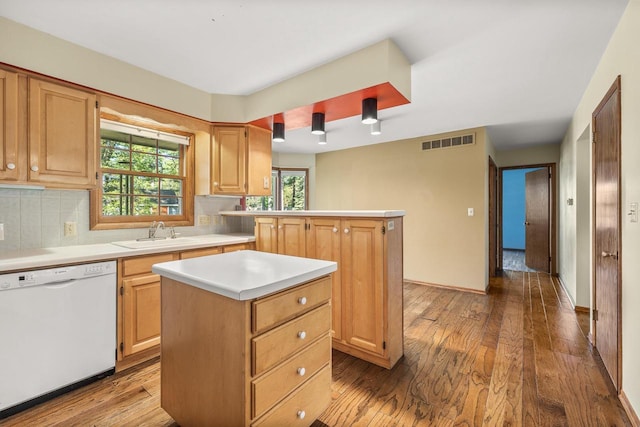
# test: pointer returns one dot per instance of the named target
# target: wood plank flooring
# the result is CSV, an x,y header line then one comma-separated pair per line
x,y
516,357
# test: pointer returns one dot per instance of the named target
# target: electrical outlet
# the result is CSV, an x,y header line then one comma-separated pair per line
x,y
470,211
204,220
70,229
216,219
1,231
265,182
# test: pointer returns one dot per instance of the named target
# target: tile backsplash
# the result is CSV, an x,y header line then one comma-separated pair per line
x,y
35,219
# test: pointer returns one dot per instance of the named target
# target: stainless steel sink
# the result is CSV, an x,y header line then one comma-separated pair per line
x,y
152,242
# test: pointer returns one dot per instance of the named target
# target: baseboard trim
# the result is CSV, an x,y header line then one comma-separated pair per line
x,y
452,288
564,289
633,416
582,309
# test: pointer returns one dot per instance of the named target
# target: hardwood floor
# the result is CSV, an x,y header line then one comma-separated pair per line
x,y
516,356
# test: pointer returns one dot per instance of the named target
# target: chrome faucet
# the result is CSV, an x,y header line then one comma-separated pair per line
x,y
154,227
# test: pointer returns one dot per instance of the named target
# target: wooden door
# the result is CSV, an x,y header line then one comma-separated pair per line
x,y
62,135
8,126
363,282
493,218
258,162
607,225
537,220
292,236
230,160
141,313
323,242
266,234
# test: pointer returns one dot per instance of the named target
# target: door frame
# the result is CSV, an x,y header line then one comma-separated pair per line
x,y
616,86
553,222
494,265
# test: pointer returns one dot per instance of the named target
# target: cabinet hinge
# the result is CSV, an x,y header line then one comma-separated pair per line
x,y
121,290
384,345
384,229
96,176
122,347
595,137
595,314
96,104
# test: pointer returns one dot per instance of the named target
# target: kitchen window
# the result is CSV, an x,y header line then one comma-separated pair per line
x,y
143,176
289,191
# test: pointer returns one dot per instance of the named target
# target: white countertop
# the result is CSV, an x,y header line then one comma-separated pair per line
x,y
333,213
46,257
245,275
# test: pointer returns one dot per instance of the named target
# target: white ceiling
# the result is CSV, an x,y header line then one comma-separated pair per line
x,y
517,67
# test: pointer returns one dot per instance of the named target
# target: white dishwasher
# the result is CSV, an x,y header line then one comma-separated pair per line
x,y
57,332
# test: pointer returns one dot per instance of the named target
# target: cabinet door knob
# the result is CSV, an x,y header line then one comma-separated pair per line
x,y
301,415
273,226
279,227
335,229
302,335
11,166
34,168
302,300
302,371
215,184
346,231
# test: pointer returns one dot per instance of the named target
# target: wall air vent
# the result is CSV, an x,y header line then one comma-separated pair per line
x,y
454,141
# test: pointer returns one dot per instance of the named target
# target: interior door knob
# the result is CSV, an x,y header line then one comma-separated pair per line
x,y
609,255
526,223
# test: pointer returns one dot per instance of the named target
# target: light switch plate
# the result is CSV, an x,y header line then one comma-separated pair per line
x,y
633,211
1,231
70,229
469,211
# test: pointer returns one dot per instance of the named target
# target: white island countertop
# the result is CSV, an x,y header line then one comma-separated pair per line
x,y
332,213
245,275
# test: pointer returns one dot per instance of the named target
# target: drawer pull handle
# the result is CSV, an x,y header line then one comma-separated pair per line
x,y
302,335
302,371
301,415
302,300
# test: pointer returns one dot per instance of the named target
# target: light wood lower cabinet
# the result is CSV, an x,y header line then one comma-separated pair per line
x,y
367,287
139,302
270,365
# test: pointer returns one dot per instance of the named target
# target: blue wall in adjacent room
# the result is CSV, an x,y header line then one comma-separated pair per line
x,y
513,208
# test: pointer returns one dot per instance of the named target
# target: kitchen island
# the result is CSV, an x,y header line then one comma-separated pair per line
x,y
367,313
245,339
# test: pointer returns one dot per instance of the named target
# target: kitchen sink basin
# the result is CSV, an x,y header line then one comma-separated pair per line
x,y
152,243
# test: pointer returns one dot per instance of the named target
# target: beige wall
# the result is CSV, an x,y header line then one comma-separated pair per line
x,y
442,245
620,58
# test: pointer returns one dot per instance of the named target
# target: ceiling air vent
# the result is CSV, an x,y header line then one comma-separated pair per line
x,y
454,141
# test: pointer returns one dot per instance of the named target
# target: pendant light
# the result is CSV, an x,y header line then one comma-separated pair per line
x,y
322,139
317,123
369,111
278,132
376,128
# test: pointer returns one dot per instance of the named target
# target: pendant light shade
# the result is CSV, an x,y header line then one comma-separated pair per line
x,y
376,128
369,111
322,139
317,123
278,132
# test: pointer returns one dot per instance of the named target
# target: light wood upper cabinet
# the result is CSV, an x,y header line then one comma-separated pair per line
x,y
229,160
8,126
239,162
62,135
258,161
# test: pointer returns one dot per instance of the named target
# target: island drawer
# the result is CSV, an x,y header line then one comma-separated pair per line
x,y
277,383
274,346
278,308
304,405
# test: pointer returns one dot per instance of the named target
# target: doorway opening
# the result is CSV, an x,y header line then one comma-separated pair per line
x,y
527,218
